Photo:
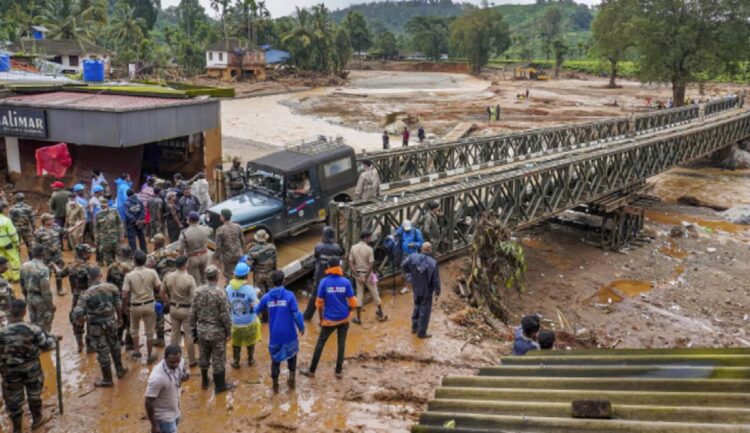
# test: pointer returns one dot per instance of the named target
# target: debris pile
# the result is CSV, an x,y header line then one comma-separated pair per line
x,y
498,267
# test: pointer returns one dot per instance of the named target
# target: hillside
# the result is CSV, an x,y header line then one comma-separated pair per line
x,y
523,19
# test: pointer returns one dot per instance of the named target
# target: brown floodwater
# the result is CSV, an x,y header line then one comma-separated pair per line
x,y
713,185
323,404
677,219
619,290
671,249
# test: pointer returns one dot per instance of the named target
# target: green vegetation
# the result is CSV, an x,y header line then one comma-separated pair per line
x,y
477,34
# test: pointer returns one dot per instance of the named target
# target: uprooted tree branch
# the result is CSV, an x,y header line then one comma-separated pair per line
x,y
498,267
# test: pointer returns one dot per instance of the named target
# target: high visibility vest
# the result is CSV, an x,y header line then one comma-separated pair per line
x,y
8,233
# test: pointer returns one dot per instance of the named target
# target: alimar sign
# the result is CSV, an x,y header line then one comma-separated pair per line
x,y
23,122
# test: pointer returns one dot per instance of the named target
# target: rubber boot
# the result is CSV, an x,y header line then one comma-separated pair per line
x,y
220,383
106,380
79,342
18,424
250,353
236,352
275,384
119,368
204,378
59,286
37,419
292,381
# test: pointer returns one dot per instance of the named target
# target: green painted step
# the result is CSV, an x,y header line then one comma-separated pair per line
x,y
653,371
519,423
593,383
661,352
708,399
718,415
694,360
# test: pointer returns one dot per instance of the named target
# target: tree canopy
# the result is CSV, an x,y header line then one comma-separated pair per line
x,y
429,35
479,33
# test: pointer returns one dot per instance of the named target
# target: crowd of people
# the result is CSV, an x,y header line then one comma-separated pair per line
x,y
121,294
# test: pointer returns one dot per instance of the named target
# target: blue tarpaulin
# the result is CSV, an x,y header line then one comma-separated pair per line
x,y
274,56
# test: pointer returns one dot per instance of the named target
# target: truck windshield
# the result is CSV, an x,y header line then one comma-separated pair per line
x,y
271,183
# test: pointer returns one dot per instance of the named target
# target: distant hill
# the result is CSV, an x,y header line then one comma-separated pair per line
x,y
522,19
394,14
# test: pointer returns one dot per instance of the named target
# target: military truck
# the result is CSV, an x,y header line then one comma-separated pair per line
x,y
290,190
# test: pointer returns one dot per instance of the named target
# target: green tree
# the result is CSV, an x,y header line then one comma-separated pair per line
x,y
614,33
386,45
477,34
560,48
148,10
359,35
682,42
66,20
221,7
299,38
189,13
342,50
550,29
126,31
252,17
322,27
429,35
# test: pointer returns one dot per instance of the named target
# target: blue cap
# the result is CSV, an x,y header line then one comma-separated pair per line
x,y
78,187
241,270
193,216
98,188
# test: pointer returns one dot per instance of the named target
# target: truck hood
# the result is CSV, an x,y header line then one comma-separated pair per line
x,y
249,208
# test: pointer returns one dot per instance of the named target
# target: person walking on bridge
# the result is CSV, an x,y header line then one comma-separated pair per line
x,y
405,137
368,184
425,279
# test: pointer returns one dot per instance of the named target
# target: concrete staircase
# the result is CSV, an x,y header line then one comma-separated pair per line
x,y
650,390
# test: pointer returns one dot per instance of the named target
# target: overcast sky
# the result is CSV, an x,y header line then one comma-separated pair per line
x,y
280,8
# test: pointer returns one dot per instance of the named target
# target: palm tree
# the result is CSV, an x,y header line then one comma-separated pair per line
x,y
126,29
322,28
66,19
300,37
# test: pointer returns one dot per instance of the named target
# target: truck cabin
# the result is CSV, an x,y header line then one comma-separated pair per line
x,y
293,187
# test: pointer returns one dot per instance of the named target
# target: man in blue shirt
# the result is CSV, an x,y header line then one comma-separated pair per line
x,y
284,320
335,302
243,298
525,335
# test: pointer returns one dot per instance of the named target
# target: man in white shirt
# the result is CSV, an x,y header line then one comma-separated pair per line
x,y
163,391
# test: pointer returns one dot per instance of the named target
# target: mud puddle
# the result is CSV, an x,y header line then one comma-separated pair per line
x,y
618,290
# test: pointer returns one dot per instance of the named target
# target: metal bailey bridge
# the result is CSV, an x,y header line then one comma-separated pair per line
x,y
527,178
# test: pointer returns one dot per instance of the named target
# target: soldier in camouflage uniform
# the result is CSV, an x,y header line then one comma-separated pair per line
x,y
49,236
432,226
108,230
101,306
262,260
23,217
78,274
211,327
36,290
163,262
230,243
116,276
235,179
6,293
20,346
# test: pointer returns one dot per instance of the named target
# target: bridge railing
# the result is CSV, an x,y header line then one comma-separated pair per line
x,y
523,196
424,160
713,108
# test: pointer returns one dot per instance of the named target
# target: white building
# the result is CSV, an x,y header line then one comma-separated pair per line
x,y
66,52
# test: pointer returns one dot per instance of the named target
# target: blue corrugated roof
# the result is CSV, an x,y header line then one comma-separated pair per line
x,y
276,56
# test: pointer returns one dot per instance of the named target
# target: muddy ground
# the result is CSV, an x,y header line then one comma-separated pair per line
x,y
672,292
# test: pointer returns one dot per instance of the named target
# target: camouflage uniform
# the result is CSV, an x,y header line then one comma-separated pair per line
x,y
432,230
75,222
262,259
235,181
116,276
229,245
98,304
155,209
23,217
6,297
78,274
211,325
164,263
36,290
20,345
51,240
108,231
